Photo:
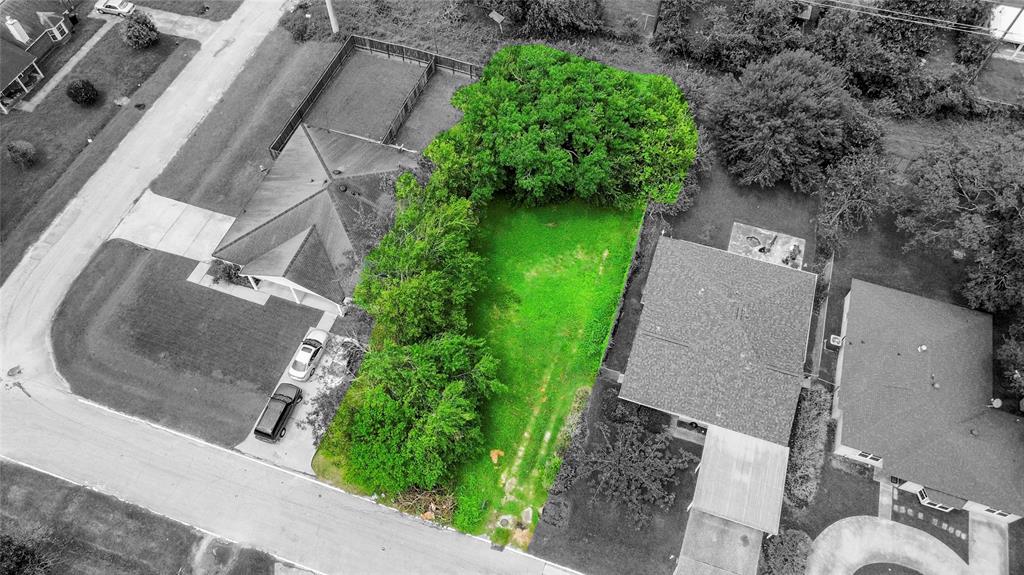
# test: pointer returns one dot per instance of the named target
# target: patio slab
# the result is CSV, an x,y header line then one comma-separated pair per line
x,y
767,246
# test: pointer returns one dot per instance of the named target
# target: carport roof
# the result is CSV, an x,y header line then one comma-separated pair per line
x,y
741,479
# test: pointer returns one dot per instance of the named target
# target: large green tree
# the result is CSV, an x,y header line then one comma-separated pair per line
x,y
418,281
414,412
544,126
788,119
969,196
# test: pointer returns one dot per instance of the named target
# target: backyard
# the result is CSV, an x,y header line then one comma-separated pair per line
x,y
60,130
134,335
96,534
557,273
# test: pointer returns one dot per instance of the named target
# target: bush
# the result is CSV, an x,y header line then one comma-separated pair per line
x,y
561,18
789,118
1010,355
413,414
138,31
227,272
856,190
544,126
22,153
807,445
82,92
785,553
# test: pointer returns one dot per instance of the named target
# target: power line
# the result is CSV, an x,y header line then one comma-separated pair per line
x,y
911,15
887,17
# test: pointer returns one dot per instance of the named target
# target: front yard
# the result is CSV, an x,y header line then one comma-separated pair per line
x,y
60,130
556,276
134,335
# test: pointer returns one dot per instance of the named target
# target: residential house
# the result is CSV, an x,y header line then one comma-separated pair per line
x,y
721,344
914,388
30,30
303,231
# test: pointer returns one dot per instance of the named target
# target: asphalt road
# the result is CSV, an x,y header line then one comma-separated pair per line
x,y
217,490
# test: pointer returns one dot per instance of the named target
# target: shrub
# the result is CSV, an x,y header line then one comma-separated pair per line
x,y
501,536
560,18
786,553
22,153
1010,355
227,272
789,118
412,415
544,126
138,31
855,192
807,445
82,92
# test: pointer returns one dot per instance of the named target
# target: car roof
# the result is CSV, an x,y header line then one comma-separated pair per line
x,y
288,389
271,414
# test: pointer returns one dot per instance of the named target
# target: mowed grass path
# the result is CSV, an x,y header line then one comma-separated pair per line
x,y
555,277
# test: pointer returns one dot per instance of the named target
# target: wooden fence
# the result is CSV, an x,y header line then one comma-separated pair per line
x,y
429,59
311,97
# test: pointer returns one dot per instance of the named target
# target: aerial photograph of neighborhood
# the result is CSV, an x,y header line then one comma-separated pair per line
x,y
503,287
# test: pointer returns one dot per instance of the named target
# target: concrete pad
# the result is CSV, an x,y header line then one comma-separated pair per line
x,y
209,236
720,544
885,497
174,227
198,276
851,543
148,220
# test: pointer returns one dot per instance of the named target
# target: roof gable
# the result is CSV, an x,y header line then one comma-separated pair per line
x,y
721,339
30,14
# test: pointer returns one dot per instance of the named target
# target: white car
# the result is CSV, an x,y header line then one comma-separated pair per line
x,y
308,355
115,7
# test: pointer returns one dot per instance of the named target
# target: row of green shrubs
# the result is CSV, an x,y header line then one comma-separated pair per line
x,y
540,126
808,445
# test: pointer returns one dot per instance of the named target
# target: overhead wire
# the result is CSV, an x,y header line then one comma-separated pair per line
x,y
965,28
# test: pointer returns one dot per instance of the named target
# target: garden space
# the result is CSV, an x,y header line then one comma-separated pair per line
x,y
365,95
594,535
60,131
133,335
220,165
556,276
89,533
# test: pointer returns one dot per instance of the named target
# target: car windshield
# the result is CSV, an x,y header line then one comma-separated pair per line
x,y
312,343
299,365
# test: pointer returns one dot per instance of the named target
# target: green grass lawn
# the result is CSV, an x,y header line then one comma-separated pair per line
x,y
556,274
60,131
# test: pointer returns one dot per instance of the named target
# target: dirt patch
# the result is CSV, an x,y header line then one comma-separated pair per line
x,y
101,535
134,335
365,95
596,538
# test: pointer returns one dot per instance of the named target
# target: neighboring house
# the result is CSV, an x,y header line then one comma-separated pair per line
x,y
721,344
30,29
914,383
304,230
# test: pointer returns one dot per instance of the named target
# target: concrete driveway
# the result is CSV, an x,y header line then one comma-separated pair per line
x,y
851,543
174,227
716,546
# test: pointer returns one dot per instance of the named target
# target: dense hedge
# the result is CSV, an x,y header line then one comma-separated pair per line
x,y
807,445
543,126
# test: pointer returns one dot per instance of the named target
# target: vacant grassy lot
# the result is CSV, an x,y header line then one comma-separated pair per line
x,y
433,112
210,9
132,334
96,534
60,130
219,167
556,274
365,95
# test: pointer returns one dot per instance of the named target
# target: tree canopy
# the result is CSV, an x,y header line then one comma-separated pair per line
x,y
969,196
788,119
419,279
413,411
544,126
856,190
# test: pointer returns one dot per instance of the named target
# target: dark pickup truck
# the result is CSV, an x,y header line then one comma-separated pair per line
x,y
271,425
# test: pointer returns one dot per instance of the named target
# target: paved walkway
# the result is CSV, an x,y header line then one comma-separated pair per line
x,y
851,543
174,227
30,104
989,546
192,27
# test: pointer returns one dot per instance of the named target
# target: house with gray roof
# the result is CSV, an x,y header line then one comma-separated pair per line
x,y
303,232
914,389
720,344
29,30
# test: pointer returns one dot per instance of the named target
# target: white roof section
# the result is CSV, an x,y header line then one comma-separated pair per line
x,y
1001,17
742,479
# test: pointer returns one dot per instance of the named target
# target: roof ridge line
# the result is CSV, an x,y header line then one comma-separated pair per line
x,y
368,140
309,232
273,219
316,150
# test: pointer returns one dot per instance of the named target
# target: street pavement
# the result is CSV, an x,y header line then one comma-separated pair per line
x,y
221,491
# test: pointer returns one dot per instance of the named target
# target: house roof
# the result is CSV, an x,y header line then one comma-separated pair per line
x,y
721,339
742,479
304,215
915,381
13,60
31,14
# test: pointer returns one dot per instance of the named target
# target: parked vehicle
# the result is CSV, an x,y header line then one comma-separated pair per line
x,y
271,425
115,7
308,355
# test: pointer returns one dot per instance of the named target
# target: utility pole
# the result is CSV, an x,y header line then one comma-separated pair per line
x,y
996,44
330,14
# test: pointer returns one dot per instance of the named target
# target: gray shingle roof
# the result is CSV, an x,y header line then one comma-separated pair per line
x,y
892,408
721,339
